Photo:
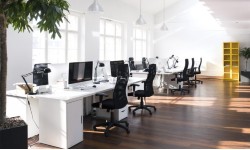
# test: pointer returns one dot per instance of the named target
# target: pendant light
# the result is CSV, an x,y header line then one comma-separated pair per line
x,y
140,20
95,7
164,26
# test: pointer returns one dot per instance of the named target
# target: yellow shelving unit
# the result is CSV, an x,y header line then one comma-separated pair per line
x,y
231,60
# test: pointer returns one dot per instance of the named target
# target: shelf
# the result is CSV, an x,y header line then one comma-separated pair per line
x,y
231,60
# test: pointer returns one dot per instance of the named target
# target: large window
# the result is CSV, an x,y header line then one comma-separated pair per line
x,y
111,40
140,43
58,50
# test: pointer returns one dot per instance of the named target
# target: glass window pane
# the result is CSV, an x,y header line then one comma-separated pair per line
x,y
144,36
73,23
72,55
56,49
110,28
118,30
38,56
118,49
109,48
56,55
138,52
72,47
101,53
38,39
57,42
144,48
101,26
72,41
138,34
62,25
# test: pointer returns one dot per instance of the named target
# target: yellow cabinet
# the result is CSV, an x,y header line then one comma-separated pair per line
x,y
231,60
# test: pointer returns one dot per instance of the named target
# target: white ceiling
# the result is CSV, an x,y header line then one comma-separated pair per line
x,y
150,6
233,13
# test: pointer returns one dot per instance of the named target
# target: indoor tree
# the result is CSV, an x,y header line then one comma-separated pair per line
x,y
245,52
19,13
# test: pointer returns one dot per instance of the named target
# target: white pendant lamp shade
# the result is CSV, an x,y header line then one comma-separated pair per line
x,y
140,20
164,27
95,7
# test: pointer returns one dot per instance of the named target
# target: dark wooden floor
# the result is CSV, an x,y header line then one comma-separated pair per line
x,y
216,114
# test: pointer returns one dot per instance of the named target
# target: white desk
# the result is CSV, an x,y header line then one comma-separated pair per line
x,y
163,78
61,113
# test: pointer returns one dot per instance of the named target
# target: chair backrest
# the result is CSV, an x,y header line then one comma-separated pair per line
x,y
191,72
184,72
148,84
131,65
144,64
123,70
119,93
199,67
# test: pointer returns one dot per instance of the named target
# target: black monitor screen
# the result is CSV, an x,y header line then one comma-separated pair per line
x,y
80,72
40,78
114,67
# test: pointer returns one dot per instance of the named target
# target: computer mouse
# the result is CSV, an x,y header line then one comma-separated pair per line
x,y
94,86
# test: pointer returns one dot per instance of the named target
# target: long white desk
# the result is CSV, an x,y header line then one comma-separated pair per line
x,y
61,113
163,78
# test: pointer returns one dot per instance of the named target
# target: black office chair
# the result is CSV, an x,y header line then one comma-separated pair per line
x,y
181,77
144,63
190,72
147,92
118,101
131,63
197,71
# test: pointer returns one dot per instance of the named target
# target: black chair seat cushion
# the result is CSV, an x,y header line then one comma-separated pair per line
x,y
106,104
140,93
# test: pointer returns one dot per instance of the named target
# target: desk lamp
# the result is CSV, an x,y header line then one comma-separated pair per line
x,y
43,71
175,61
168,62
95,75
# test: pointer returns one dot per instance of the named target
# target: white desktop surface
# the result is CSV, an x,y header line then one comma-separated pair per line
x,y
163,78
60,113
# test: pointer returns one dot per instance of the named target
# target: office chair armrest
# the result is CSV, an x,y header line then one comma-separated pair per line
x,y
134,85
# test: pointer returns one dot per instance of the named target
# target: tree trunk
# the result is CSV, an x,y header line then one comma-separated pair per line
x,y
3,67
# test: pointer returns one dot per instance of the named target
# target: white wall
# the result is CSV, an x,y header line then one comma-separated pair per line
x,y
194,32
114,10
20,44
19,56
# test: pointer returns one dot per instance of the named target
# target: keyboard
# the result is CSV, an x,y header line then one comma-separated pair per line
x,y
83,87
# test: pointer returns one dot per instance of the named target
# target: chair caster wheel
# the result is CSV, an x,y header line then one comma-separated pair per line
x,y
128,131
106,134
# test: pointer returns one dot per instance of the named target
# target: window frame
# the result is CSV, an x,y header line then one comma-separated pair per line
x,y
66,32
142,41
104,35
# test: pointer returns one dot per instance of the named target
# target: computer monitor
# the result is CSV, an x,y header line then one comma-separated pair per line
x,y
114,67
80,72
40,78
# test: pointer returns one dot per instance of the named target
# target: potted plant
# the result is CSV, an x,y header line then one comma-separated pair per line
x,y
245,52
19,13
